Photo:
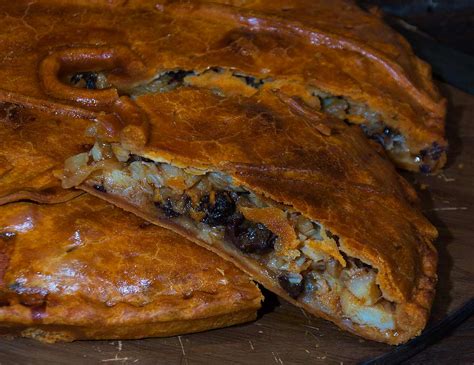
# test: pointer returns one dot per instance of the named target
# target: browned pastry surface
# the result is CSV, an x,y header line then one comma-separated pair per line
x,y
87,270
35,138
294,45
101,56
333,178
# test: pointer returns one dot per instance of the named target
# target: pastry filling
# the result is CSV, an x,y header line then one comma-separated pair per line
x,y
225,82
88,80
302,255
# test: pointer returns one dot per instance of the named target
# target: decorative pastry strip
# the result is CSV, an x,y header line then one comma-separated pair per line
x,y
123,67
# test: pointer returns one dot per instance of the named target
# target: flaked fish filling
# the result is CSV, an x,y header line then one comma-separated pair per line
x,y
301,254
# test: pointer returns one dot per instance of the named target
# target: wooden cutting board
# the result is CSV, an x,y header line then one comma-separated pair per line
x,y
286,335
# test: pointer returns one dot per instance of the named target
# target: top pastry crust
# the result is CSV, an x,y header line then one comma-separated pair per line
x,y
330,53
258,149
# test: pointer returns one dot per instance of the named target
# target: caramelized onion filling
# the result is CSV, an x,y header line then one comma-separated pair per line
x,y
302,255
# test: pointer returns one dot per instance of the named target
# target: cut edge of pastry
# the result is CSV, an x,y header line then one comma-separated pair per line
x,y
270,241
378,126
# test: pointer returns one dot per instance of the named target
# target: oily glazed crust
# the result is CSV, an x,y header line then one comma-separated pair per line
x,y
331,45
35,138
87,270
336,179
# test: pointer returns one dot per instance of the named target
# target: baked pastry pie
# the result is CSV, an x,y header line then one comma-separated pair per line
x,y
296,199
212,119
87,270
336,57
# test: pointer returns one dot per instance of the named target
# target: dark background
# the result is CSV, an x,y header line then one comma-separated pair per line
x,y
440,31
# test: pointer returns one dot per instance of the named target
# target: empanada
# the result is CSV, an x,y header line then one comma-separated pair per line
x,y
295,198
87,270
336,57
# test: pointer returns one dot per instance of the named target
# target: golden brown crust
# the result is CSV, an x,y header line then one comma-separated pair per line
x,y
35,138
336,179
87,270
331,45
321,167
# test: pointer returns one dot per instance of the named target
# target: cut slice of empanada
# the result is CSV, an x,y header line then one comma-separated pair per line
x,y
296,199
87,270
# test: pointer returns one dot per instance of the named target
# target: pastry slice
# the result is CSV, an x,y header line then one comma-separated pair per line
x,y
87,270
296,199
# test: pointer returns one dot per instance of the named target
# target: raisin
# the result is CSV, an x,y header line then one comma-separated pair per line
x,y
7,236
219,213
168,209
427,155
90,79
435,151
379,138
293,288
178,76
333,236
250,80
425,169
100,188
385,136
250,237
203,204
134,158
